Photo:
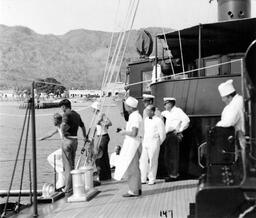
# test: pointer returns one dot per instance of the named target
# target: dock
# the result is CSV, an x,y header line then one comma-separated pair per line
x,y
163,199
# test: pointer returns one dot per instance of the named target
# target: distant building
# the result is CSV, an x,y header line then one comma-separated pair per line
x,y
8,94
114,88
84,93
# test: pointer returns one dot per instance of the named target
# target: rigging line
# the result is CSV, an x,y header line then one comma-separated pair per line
x,y
110,46
168,52
168,49
106,65
24,157
181,53
11,160
112,72
113,69
15,164
126,43
111,62
186,72
116,52
119,44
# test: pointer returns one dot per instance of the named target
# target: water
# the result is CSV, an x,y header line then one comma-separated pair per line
x,y
11,121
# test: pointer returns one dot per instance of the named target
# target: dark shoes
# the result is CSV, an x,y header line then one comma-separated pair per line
x,y
171,179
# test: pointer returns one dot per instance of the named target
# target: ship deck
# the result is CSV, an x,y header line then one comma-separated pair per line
x,y
160,200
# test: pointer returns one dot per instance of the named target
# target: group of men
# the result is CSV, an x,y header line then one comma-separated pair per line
x,y
164,129
153,130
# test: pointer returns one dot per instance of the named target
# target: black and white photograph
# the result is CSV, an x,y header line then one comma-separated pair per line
x,y
128,108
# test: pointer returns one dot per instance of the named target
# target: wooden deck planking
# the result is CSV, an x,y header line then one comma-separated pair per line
x,y
161,197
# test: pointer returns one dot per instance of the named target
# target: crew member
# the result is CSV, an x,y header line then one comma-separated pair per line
x,y
149,100
154,135
232,114
129,157
102,125
176,121
55,158
71,120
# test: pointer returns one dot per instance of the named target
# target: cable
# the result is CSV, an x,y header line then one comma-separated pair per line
x,y
186,72
15,164
24,158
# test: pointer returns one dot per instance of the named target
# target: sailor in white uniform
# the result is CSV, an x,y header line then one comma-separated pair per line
x,y
154,135
128,162
176,121
149,100
233,113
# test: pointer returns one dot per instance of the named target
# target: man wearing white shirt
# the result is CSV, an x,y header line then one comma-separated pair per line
x,y
128,163
233,113
149,100
176,121
154,135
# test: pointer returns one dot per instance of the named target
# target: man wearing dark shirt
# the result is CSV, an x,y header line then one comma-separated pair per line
x,y
71,120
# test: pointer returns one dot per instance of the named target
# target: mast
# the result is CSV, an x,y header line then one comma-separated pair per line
x,y
33,126
156,58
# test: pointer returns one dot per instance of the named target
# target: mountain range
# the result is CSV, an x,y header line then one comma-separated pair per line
x,y
77,59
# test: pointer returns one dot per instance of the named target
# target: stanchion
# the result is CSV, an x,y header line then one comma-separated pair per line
x,y
83,189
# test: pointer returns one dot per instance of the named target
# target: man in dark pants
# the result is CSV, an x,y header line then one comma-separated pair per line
x,y
71,120
176,121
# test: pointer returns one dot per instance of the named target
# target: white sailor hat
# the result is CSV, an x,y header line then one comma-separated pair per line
x,y
226,88
132,102
169,99
96,105
147,97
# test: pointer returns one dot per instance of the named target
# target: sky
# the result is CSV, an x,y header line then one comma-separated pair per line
x,y
60,16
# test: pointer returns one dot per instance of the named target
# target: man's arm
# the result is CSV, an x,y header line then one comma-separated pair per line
x,y
49,135
132,133
229,117
184,121
161,130
64,125
84,131
81,124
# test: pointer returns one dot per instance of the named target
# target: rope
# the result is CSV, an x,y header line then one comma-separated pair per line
x,y
186,72
111,41
181,53
114,60
15,164
169,54
24,158
126,43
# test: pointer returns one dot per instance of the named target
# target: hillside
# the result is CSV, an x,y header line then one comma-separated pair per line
x,y
76,59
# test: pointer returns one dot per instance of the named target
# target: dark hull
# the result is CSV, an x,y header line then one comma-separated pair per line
x,y
196,96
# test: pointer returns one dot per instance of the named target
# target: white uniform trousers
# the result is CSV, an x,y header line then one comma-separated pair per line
x,y
59,167
149,161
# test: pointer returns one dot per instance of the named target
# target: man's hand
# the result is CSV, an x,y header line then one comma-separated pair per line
x,y
86,139
123,132
180,136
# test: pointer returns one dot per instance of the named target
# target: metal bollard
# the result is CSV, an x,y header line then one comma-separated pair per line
x,y
78,182
88,177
